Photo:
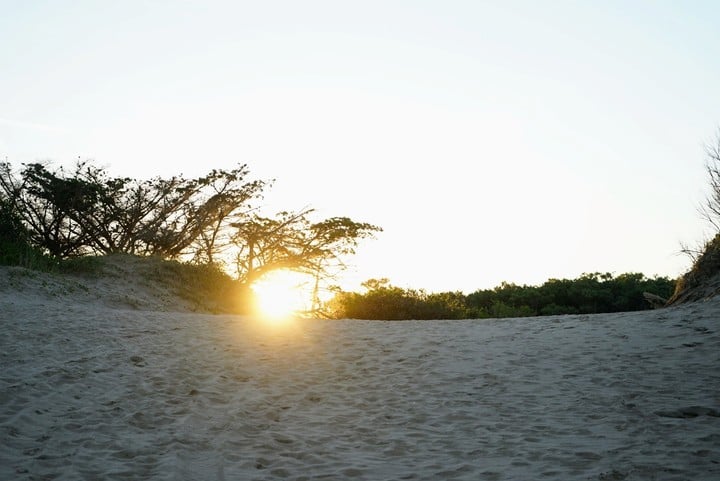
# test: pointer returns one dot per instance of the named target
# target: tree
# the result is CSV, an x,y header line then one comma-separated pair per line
x,y
168,217
42,202
710,211
228,200
292,241
706,256
87,211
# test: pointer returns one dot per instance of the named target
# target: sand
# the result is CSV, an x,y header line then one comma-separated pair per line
x,y
91,389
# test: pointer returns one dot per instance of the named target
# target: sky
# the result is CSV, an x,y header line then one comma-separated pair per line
x,y
492,141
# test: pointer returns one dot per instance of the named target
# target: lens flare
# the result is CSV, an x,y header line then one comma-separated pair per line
x,y
281,295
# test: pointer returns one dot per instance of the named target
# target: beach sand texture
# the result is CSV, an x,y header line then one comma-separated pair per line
x,y
90,390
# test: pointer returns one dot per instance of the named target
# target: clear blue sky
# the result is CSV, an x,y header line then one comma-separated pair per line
x,y
492,140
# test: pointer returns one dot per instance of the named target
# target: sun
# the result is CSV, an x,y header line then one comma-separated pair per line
x,y
281,294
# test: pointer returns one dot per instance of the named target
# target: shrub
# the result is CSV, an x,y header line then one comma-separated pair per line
x,y
696,283
15,249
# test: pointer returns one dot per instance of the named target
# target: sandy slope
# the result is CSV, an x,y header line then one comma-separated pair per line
x,y
89,390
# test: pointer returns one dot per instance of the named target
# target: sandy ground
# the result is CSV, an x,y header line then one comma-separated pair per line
x,y
91,389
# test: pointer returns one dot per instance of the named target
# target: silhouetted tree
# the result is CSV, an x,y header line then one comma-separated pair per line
x,y
87,211
43,202
227,200
292,241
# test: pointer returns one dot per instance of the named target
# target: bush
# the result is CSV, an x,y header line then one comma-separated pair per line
x,y
500,310
207,286
385,302
588,294
15,249
80,265
697,282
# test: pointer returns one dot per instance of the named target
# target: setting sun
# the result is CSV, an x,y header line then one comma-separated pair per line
x,y
281,294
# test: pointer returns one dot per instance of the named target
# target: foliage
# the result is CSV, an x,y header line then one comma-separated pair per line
x,y
80,265
15,248
86,211
590,293
206,286
292,241
700,281
384,301
697,283
710,211
54,215
38,201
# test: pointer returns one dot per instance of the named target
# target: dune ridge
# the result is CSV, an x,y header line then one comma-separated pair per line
x,y
94,387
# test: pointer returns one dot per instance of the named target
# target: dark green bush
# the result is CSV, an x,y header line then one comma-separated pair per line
x,y
590,293
15,249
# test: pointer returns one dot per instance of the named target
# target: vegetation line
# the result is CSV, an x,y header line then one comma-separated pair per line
x,y
55,220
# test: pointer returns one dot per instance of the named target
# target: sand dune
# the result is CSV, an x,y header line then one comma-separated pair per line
x,y
91,389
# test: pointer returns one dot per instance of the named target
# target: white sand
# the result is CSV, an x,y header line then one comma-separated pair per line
x,y
91,391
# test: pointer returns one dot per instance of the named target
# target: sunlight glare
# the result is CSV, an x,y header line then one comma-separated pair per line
x,y
280,295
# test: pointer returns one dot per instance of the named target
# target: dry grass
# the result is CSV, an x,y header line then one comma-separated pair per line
x,y
703,279
202,288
